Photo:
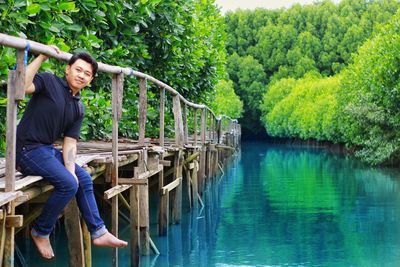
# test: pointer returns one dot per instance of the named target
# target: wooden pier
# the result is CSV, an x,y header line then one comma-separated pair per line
x,y
178,167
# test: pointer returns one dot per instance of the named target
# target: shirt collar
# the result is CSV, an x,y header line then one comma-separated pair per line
x,y
66,86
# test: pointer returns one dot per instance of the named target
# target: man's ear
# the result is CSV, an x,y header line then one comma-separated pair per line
x,y
67,69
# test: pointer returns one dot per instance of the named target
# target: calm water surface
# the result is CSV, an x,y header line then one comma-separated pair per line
x,y
283,206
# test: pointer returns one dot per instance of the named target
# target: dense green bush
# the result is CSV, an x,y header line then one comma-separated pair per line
x,y
304,108
370,96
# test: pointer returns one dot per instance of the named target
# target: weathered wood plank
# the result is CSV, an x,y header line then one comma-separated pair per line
x,y
162,115
74,234
142,110
6,197
169,187
176,103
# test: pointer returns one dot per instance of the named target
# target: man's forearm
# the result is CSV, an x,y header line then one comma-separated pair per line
x,y
32,69
69,154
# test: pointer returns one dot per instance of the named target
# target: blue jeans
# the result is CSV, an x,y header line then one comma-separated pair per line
x,y
46,161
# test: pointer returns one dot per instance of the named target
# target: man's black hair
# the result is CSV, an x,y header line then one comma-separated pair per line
x,y
85,57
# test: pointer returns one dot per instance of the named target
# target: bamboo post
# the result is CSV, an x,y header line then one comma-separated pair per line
x,y
74,233
203,126
177,193
178,121
15,92
134,215
143,207
163,219
117,88
142,110
87,245
162,112
195,189
202,171
195,127
185,125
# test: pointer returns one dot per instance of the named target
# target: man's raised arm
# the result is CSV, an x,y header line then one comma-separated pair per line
x,y
33,68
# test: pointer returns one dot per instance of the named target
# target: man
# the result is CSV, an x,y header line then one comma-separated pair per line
x,y
55,111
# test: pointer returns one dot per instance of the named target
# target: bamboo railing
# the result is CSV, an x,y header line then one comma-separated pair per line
x,y
209,125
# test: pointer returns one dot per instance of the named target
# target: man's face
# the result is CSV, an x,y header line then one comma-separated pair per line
x,y
79,75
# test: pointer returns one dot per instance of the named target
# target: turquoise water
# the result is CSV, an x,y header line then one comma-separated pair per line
x,y
280,206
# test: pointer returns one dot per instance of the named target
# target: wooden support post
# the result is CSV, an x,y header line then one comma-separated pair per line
x,y
219,130
142,110
195,127
87,245
179,139
15,92
117,89
134,217
203,126
163,218
195,189
162,112
144,220
74,233
185,125
187,196
3,234
176,195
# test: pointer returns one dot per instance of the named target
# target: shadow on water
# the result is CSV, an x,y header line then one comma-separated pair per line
x,y
280,205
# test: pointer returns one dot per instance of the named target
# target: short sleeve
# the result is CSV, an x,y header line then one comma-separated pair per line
x,y
39,82
74,130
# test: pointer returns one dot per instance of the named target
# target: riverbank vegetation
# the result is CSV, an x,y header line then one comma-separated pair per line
x,y
323,71
179,42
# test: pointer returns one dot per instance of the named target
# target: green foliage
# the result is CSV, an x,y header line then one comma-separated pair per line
x,y
179,42
305,108
284,43
226,102
249,83
370,96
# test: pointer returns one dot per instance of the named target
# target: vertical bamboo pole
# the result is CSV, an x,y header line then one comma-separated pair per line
x,y
178,121
134,214
185,125
163,219
15,92
87,244
162,112
117,87
163,207
195,127
203,126
179,137
74,233
142,110
176,194
195,190
202,169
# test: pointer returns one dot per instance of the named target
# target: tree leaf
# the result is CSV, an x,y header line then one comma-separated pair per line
x,y
33,9
66,6
66,18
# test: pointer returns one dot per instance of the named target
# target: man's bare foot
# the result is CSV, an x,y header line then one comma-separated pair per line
x,y
109,240
44,246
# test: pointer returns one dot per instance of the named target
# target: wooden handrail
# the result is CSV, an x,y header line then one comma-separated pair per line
x,y
38,48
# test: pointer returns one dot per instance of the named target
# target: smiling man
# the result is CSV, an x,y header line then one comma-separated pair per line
x,y
55,111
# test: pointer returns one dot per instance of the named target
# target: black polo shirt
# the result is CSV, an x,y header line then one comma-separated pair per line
x,y
51,113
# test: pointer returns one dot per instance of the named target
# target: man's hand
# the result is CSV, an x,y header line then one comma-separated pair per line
x,y
55,48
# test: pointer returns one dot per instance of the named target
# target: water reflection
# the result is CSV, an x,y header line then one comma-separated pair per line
x,y
285,206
